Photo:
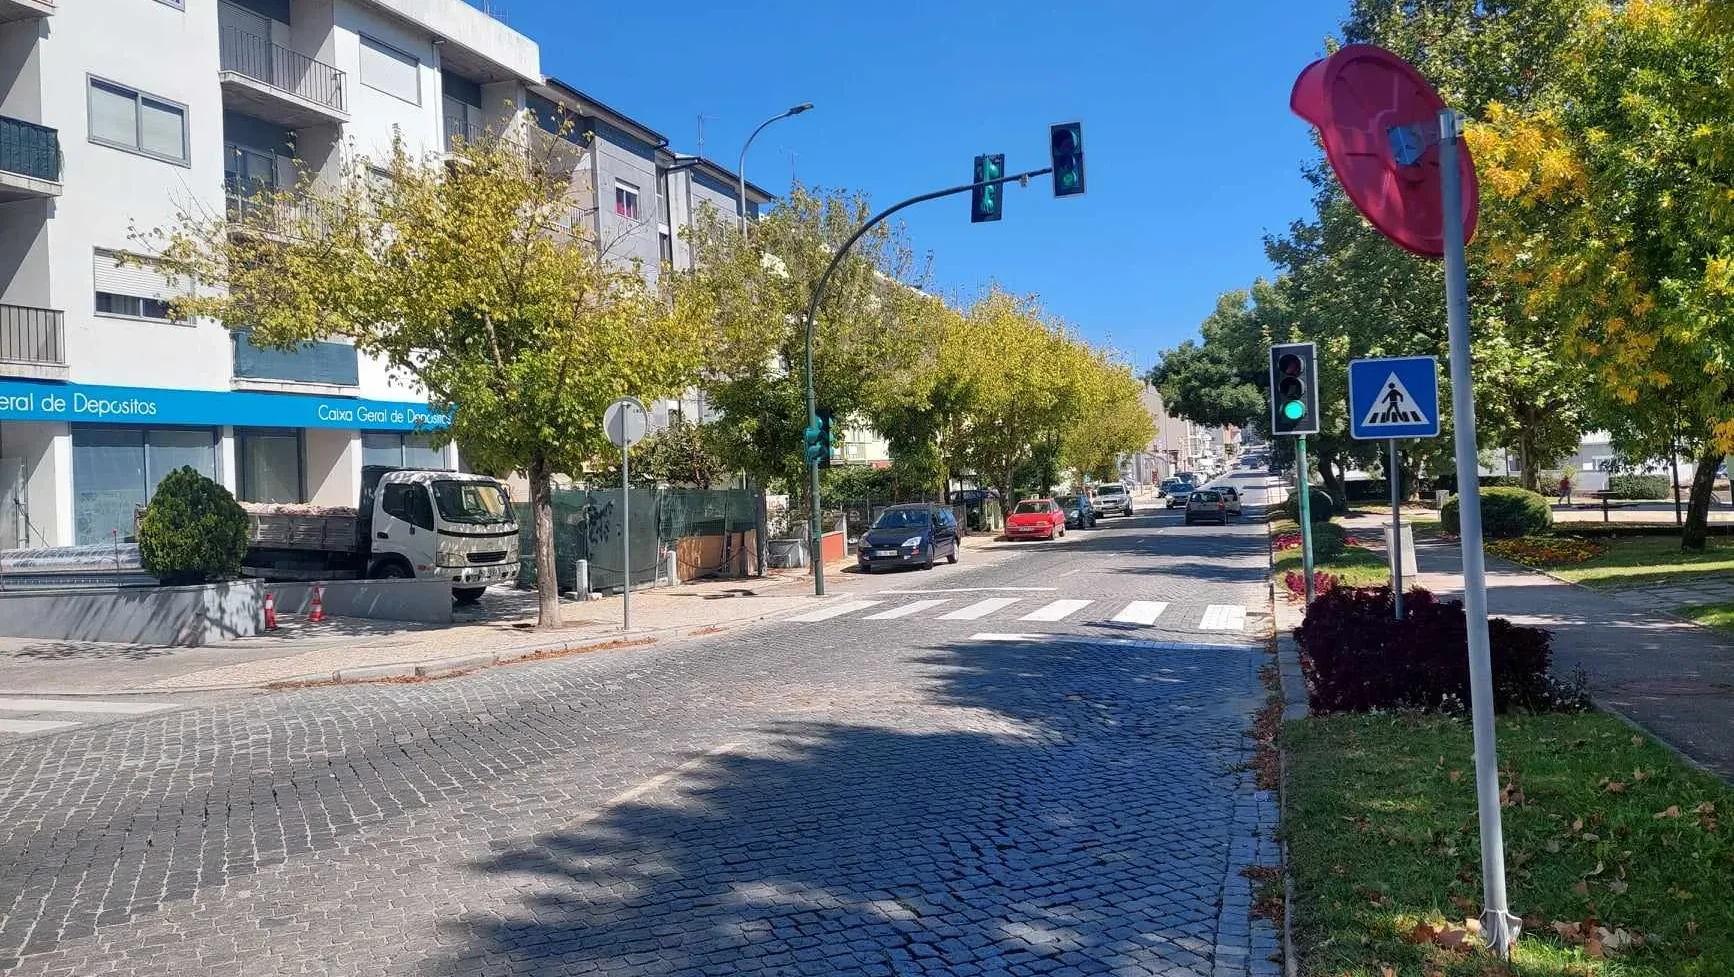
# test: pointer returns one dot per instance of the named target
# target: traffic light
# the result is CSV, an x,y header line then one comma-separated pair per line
x,y
1294,389
817,448
817,438
984,202
1066,146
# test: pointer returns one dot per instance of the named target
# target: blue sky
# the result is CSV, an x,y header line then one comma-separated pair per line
x,y
1190,151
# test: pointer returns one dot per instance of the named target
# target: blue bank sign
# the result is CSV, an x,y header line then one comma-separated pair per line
x,y
89,404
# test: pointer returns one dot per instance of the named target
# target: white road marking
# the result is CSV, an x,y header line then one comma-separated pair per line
x,y
19,704
1140,612
1142,644
1059,610
1223,617
979,609
972,590
835,610
32,725
914,607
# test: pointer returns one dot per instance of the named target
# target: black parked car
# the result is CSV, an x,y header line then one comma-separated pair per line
x,y
914,534
1080,514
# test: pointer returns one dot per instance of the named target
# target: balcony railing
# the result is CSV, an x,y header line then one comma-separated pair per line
x,y
271,212
275,65
325,363
457,130
29,149
32,335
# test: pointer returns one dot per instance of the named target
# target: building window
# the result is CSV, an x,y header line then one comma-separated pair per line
x,y
131,120
394,450
386,69
117,469
269,463
136,289
626,200
667,244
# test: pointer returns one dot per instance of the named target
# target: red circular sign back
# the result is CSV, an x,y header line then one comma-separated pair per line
x,y
1355,97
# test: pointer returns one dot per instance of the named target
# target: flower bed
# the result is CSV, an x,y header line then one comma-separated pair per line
x,y
1545,550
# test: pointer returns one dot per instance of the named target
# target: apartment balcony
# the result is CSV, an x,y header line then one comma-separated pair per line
x,y
278,85
270,213
328,368
25,9
459,131
32,343
29,160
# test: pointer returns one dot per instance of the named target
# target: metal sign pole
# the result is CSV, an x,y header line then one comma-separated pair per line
x,y
1498,926
626,538
1306,513
1395,475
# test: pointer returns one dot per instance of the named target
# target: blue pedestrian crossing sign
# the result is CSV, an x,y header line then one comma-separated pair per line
x,y
1395,397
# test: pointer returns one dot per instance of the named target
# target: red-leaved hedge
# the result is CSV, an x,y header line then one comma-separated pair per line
x,y
1357,658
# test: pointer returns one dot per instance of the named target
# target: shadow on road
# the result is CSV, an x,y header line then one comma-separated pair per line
x,y
1045,805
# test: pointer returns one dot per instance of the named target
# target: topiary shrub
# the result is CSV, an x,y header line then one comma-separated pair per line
x,y
193,531
1322,506
1329,541
1505,513
1639,486
1356,657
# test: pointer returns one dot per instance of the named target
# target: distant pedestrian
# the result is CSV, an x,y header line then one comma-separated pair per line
x,y
1565,490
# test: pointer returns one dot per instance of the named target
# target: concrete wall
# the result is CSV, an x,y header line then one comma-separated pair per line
x,y
161,616
424,601
331,460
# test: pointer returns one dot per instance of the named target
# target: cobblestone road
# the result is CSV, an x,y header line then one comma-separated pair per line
x,y
850,796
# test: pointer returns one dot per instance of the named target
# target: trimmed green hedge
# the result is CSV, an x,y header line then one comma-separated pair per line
x,y
1639,486
192,531
1329,541
1322,506
1505,513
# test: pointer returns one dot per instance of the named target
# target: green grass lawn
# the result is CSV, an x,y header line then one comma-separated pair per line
x,y
1357,567
1648,559
1718,616
1603,825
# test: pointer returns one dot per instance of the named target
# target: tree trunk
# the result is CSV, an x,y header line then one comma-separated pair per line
x,y
1336,479
1692,536
547,583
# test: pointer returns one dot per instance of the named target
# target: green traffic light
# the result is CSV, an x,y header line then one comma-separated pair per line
x,y
1294,410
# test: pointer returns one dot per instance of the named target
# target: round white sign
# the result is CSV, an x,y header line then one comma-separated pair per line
x,y
624,421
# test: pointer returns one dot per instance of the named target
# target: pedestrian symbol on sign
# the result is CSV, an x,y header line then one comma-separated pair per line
x,y
1395,407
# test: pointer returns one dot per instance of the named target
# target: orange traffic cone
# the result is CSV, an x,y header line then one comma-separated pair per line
x,y
270,611
317,614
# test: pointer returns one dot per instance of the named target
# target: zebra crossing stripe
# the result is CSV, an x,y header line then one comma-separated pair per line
x,y
110,706
979,609
32,725
906,610
1223,617
1059,610
1140,612
835,610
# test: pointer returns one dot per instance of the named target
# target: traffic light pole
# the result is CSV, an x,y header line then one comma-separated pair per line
x,y
1498,926
814,535
1304,487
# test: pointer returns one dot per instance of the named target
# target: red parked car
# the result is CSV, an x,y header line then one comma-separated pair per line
x,y
1036,519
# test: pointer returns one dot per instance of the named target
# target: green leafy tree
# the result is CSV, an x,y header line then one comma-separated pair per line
x,y
471,276
1612,210
683,453
192,531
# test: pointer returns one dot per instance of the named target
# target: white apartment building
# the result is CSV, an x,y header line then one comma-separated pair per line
x,y
119,114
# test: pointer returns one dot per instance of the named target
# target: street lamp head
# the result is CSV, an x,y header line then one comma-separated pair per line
x,y
797,110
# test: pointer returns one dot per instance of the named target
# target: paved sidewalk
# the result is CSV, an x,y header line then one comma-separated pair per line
x,y
1670,676
346,649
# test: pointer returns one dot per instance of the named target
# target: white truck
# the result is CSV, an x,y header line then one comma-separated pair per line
x,y
427,525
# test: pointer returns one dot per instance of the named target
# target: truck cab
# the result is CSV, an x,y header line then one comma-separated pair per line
x,y
438,525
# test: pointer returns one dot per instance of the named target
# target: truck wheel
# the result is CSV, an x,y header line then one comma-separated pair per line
x,y
468,595
391,570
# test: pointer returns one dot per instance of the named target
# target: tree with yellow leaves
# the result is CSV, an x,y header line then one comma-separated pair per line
x,y
1611,203
466,274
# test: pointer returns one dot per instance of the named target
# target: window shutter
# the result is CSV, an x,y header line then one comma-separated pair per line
x,y
143,281
390,70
